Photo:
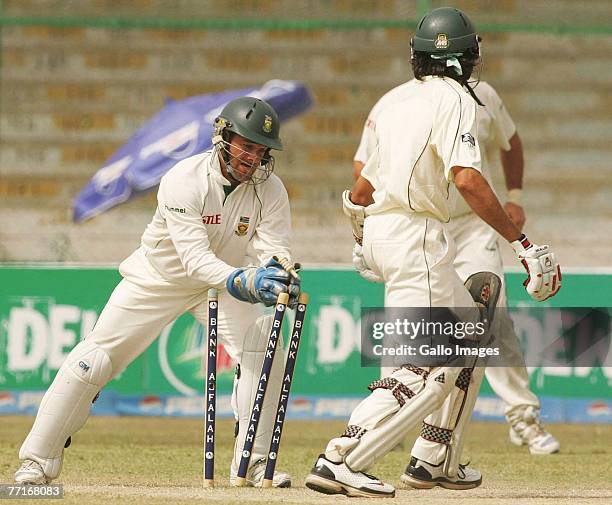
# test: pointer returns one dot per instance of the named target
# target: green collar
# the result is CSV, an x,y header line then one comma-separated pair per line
x,y
227,190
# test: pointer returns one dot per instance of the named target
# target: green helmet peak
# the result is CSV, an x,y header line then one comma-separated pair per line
x,y
251,118
443,31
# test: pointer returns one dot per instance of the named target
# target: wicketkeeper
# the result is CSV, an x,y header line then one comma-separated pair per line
x,y
218,213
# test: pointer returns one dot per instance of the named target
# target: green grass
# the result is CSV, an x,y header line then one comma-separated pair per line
x,y
159,460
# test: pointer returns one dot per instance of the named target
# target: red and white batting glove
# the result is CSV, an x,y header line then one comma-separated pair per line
x,y
544,273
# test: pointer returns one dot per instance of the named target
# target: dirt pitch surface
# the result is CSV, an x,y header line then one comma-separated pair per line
x,y
159,460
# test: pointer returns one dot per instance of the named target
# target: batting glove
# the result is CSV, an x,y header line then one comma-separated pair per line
x,y
356,213
544,273
362,267
261,285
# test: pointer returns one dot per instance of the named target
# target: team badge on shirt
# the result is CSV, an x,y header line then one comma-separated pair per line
x,y
243,226
468,139
441,41
267,124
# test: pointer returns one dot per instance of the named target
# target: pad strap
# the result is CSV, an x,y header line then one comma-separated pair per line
x,y
400,391
417,370
436,434
463,380
354,431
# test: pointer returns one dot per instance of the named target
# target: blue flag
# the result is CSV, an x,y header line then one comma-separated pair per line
x,y
181,129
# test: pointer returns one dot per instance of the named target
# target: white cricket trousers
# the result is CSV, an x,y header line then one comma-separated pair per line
x,y
414,255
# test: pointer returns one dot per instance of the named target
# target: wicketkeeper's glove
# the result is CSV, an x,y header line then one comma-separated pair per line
x,y
262,284
544,273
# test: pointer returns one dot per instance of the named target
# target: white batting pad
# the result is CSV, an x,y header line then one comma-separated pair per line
x,y
452,418
253,353
66,405
384,418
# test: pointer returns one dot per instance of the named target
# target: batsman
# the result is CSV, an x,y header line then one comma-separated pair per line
x,y
221,217
425,139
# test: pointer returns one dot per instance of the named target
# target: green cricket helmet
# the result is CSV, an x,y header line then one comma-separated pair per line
x,y
251,118
444,31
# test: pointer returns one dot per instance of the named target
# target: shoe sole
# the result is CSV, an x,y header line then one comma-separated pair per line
x,y
32,482
430,484
536,452
283,485
326,486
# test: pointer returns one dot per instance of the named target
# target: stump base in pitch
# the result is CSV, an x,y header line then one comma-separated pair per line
x,y
208,483
266,483
240,481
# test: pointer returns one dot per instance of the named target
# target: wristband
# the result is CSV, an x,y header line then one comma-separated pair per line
x,y
515,196
521,244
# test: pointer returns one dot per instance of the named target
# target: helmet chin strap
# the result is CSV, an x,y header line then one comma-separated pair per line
x,y
471,92
478,69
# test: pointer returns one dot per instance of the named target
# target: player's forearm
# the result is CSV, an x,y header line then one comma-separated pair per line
x,y
362,191
476,191
357,168
512,163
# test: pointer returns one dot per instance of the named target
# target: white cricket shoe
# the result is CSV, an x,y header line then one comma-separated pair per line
x,y
255,476
30,472
336,478
422,475
526,429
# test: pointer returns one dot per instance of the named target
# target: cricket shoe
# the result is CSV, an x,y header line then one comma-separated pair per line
x,y
30,472
526,429
255,476
336,478
422,475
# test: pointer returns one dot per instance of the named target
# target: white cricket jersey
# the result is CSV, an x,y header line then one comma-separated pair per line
x,y
200,236
495,129
414,135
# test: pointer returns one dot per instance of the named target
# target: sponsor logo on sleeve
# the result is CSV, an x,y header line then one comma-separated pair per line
x,y
468,139
179,210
